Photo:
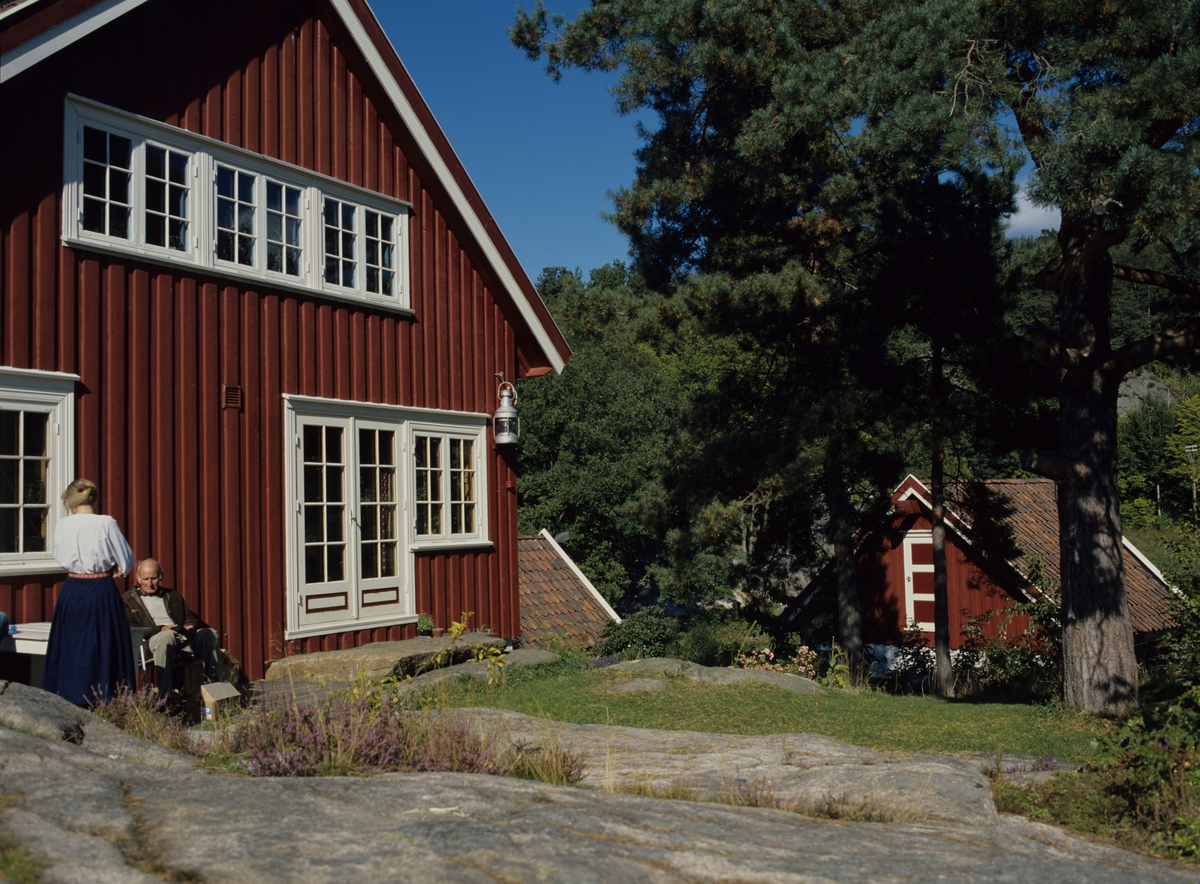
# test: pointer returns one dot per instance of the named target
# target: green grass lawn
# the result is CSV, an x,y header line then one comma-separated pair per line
x,y
576,693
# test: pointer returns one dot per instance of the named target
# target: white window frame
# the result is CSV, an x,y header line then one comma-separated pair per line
x,y
406,422
205,155
448,429
52,393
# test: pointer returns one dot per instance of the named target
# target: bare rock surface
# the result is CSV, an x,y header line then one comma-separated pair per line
x,y
381,659
108,810
667,666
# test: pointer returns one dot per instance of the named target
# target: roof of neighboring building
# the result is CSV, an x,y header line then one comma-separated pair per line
x,y
1032,516
33,31
557,601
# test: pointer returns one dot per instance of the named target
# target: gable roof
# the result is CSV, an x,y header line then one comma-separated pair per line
x,y
33,31
557,600
1034,523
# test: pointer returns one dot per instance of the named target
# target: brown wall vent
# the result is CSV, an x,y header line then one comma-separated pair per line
x,y
231,396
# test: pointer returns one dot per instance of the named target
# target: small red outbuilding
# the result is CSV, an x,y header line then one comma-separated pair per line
x,y
247,287
1001,546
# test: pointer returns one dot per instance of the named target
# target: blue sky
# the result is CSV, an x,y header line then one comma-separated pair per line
x,y
542,154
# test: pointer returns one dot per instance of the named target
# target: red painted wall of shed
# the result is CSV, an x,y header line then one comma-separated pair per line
x,y
194,484
881,586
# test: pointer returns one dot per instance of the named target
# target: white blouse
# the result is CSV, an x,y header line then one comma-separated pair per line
x,y
87,543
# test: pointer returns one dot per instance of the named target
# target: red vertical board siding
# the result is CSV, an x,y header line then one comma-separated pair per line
x,y
195,484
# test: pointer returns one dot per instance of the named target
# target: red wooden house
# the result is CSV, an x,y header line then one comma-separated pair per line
x,y
247,287
1001,546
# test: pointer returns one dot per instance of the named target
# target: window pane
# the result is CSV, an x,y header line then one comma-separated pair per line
x,y
118,151
366,446
246,251
118,221
422,519
156,162
370,562
333,444
94,178
293,232
35,481
387,485
333,484
312,484
421,446
293,201
292,266
245,219
313,526
225,181
275,257
179,164
156,196
435,519
35,530
10,537
333,523
312,444
455,520
387,522
118,185
387,562
314,564
224,245
10,481
335,569
10,432
366,485
368,523
274,227
95,145
93,215
245,187
387,446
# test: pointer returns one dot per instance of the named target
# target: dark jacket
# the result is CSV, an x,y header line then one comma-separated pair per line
x,y
176,608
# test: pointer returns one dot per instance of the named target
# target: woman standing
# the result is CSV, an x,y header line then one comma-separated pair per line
x,y
90,653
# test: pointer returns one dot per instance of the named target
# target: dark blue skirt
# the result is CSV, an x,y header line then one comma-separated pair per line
x,y
90,653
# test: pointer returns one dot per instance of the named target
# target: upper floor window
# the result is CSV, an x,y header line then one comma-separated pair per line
x,y
37,460
133,185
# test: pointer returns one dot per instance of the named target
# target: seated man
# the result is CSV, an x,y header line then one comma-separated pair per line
x,y
152,605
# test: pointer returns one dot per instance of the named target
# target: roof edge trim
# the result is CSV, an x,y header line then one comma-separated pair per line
x,y
41,47
446,178
575,569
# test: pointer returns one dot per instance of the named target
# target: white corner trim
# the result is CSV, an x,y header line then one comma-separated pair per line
x,y
425,144
575,568
41,47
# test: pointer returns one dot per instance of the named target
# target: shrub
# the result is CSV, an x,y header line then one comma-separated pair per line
x,y
719,637
357,732
647,633
145,714
803,662
1013,659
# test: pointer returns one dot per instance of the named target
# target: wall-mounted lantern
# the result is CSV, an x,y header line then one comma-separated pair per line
x,y
504,421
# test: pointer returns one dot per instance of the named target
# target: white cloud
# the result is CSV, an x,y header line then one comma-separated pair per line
x,y
1030,220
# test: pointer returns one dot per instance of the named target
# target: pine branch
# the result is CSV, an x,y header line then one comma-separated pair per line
x,y
1174,284
1148,349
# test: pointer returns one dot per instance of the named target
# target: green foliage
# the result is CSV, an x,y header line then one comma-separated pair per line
x,y
1182,447
594,439
998,656
1141,440
1143,790
646,633
719,637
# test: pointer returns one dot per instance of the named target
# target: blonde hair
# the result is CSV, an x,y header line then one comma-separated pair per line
x,y
81,492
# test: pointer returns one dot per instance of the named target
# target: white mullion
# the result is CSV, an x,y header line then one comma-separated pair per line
x,y
204,205
350,493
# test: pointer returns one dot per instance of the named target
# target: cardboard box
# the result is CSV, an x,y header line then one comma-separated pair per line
x,y
217,699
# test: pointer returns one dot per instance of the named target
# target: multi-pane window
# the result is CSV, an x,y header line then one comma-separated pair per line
x,y
377,502
341,260
427,466
284,227
323,500
106,177
235,215
139,187
24,465
381,254
445,489
166,181
370,487
37,460
462,486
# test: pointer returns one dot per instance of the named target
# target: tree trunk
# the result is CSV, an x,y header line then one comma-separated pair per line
x,y
841,530
944,675
1099,666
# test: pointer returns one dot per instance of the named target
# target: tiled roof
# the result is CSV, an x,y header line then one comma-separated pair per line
x,y
557,601
1034,521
